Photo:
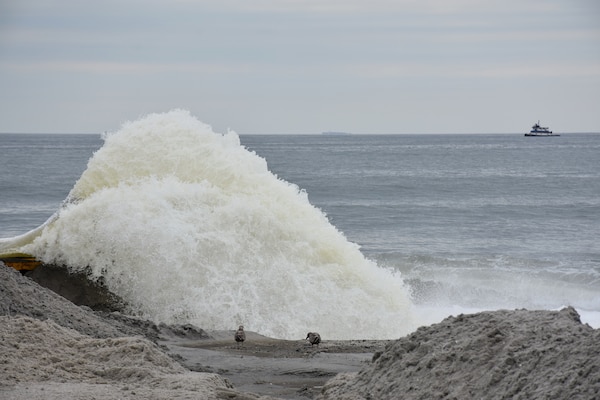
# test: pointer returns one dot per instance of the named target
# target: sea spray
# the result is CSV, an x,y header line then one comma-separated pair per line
x,y
189,226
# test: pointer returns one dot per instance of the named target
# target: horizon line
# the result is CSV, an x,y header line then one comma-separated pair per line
x,y
327,133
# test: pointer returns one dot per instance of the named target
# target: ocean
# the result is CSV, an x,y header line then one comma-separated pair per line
x,y
354,236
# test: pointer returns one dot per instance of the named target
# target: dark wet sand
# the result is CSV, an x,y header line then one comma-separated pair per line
x,y
289,369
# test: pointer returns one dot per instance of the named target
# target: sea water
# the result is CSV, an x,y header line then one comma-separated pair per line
x,y
354,236
471,221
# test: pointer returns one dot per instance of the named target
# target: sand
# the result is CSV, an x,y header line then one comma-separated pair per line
x,y
494,355
51,348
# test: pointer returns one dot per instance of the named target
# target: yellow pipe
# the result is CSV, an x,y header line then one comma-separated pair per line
x,y
20,261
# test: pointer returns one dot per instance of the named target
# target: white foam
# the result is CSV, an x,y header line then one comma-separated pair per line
x,y
189,226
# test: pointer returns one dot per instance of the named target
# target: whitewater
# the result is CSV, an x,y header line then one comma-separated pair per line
x,y
188,226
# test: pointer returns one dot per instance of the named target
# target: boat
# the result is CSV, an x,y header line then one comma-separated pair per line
x,y
538,130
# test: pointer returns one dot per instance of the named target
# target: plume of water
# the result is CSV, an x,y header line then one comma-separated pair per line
x,y
187,225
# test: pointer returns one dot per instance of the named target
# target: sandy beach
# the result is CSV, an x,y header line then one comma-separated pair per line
x,y
52,348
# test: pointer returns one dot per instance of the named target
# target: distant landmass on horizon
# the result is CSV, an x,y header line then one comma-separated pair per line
x,y
335,133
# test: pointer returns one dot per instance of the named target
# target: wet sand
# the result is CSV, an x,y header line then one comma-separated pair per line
x,y
290,369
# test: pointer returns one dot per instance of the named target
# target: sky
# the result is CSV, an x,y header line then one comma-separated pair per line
x,y
302,66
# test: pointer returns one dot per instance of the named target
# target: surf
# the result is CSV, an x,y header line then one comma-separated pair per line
x,y
188,226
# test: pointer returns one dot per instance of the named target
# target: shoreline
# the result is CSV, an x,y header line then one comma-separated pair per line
x,y
262,367
54,349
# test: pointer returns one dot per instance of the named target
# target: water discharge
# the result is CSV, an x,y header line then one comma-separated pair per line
x,y
188,226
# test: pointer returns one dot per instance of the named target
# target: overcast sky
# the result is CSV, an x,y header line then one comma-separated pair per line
x,y
302,66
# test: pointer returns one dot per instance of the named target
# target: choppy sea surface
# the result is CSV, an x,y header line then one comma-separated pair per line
x,y
357,236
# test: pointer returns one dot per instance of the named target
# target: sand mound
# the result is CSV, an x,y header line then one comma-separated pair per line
x,y
36,350
22,296
38,355
494,355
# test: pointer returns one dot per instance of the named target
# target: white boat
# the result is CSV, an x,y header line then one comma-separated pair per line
x,y
538,130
